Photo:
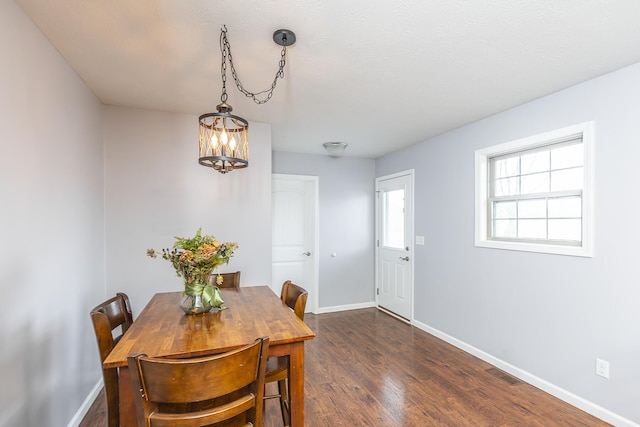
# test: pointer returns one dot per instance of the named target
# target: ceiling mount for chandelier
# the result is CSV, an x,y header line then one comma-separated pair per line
x,y
224,137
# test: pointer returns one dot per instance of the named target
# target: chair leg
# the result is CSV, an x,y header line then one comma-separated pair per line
x,y
284,402
112,395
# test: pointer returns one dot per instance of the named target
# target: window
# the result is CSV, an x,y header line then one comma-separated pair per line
x,y
393,221
535,194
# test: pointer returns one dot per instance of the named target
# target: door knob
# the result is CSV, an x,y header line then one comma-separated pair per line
x,y
406,258
306,253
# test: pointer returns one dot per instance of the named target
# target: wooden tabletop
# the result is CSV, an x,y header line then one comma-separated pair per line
x,y
163,329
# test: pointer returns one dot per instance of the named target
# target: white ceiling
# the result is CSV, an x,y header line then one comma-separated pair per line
x,y
380,75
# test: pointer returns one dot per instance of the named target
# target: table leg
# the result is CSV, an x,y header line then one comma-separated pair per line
x,y
296,383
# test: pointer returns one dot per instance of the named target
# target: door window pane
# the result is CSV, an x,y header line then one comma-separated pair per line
x,y
393,235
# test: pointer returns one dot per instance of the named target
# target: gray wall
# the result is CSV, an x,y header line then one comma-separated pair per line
x,y
548,315
51,226
346,205
155,190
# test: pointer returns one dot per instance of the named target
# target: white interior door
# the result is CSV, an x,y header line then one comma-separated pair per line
x,y
394,243
295,234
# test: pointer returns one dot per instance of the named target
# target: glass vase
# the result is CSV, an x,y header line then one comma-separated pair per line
x,y
193,304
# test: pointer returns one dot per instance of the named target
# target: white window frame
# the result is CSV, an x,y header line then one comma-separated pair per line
x,y
482,164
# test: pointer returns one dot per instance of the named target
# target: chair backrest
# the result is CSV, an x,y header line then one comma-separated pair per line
x,y
107,317
229,280
200,391
295,297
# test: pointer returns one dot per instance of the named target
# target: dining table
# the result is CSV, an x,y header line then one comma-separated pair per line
x,y
162,329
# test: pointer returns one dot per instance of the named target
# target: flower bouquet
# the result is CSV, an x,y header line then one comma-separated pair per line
x,y
194,259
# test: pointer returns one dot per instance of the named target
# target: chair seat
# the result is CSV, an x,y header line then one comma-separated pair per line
x,y
277,369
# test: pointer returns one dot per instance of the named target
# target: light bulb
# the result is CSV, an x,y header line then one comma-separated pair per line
x,y
224,138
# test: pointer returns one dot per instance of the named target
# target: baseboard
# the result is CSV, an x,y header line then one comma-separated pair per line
x,y
345,307
552,389
84,408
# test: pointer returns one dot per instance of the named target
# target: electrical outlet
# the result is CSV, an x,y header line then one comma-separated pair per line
x,y
602,368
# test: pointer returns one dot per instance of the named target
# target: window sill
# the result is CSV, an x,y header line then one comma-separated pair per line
x,y
536,247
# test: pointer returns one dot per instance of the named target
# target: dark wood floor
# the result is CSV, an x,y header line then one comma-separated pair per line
x,y
365,368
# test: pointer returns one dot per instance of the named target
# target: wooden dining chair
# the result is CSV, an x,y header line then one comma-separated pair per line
x,y
223,388
295,298
229,280
111,319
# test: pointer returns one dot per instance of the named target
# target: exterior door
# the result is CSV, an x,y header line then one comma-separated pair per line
x,y
394,244
295,234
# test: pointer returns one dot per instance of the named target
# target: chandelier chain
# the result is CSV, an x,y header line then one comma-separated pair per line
x,y
223,67
225,47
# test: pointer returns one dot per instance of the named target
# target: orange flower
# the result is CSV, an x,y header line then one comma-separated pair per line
x,y
186,256
207,250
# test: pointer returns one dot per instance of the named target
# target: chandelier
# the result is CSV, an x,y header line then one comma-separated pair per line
x,y
224,137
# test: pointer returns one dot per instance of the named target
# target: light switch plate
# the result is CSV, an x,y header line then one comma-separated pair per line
x,y
419,240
